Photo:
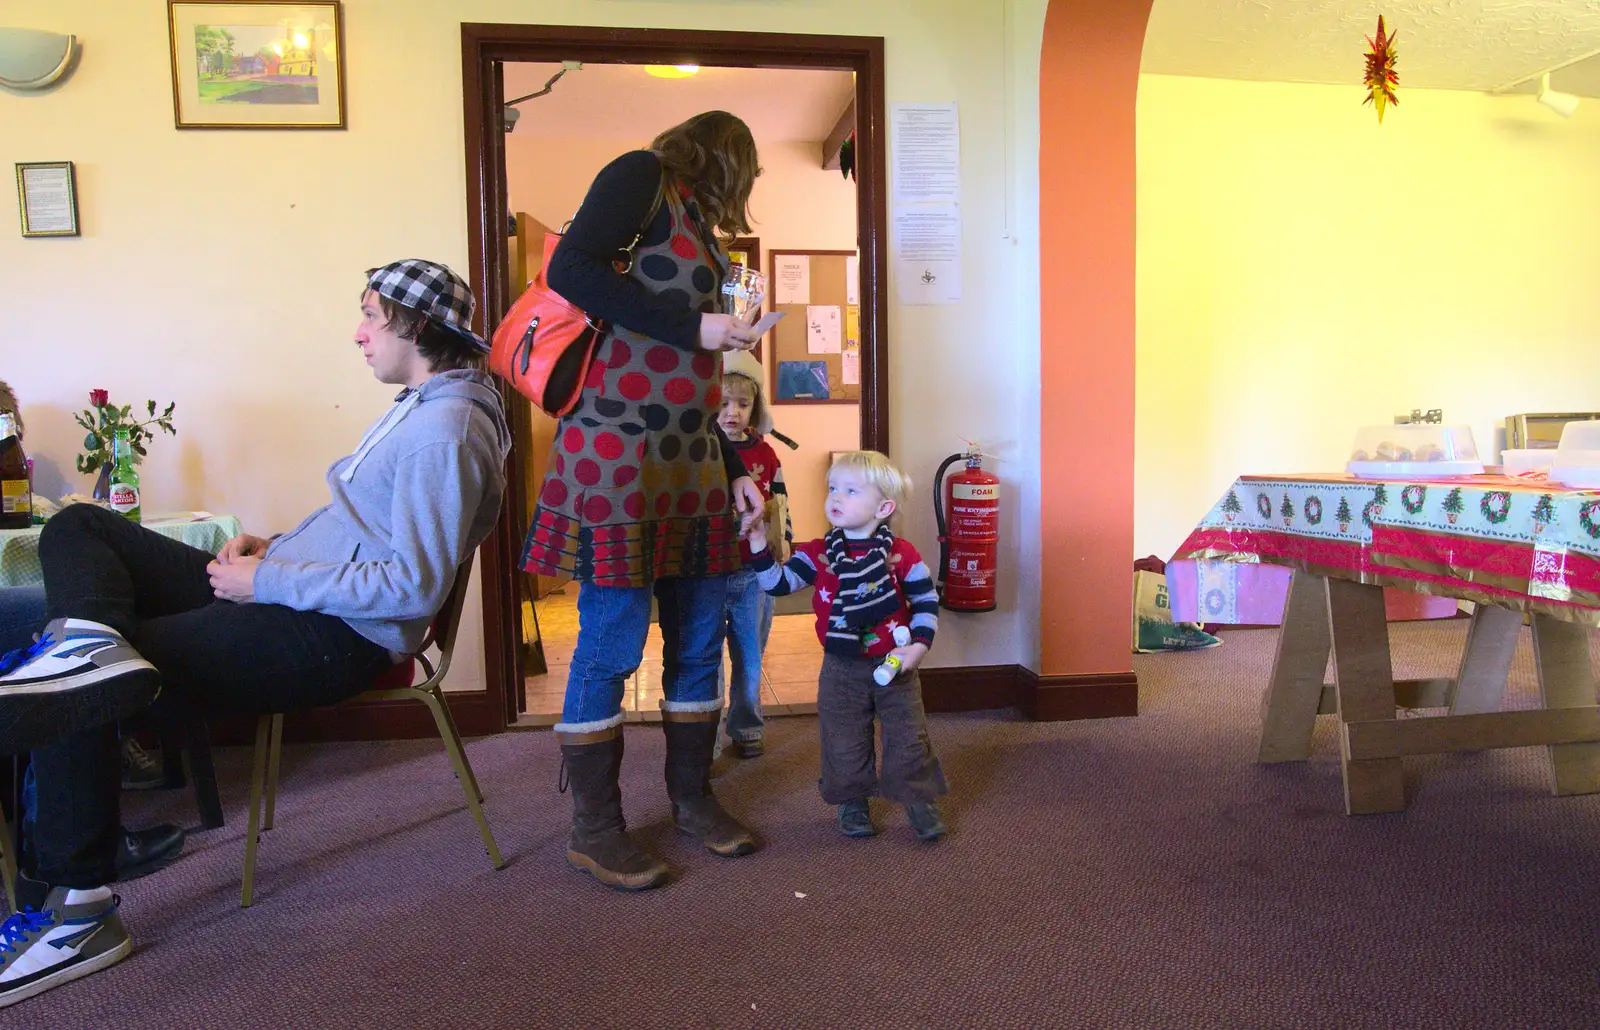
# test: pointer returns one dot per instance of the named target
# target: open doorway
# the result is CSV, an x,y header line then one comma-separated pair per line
x,y
802,95
804,214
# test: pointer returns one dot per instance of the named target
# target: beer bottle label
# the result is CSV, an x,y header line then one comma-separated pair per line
x,y
124,497
14,496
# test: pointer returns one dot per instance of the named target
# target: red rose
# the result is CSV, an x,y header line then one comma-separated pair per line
x,y
98,398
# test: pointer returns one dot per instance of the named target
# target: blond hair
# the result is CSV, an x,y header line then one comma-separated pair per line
x,y
876,469
760,417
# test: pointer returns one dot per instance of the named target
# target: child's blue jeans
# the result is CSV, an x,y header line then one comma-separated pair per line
x,y
749,625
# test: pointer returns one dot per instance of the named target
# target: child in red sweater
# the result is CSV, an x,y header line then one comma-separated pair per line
x,y
874,600
746,423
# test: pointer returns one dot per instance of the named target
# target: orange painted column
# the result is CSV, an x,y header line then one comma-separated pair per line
x,y
1088,85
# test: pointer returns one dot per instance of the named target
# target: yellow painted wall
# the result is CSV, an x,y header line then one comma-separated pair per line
x,y
1304,271
179,290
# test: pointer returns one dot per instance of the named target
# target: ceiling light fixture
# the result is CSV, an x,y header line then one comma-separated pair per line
x,y
672,71
1563,104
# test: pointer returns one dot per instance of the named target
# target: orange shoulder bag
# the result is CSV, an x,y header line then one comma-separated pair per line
x,y
544,346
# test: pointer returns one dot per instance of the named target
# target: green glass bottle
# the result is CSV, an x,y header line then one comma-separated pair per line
x,y
124,478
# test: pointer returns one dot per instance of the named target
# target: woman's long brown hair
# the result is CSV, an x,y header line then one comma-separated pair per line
x,y
715,156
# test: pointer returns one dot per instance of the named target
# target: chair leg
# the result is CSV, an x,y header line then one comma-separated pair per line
x,y
173,732
458,758
274,759
8,862
472,777
197,741
258,773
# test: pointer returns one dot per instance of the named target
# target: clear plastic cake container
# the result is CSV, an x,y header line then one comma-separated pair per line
x,y
1414,451
1578,458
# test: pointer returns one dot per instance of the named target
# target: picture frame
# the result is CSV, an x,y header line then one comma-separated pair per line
x,y
256,64
47,198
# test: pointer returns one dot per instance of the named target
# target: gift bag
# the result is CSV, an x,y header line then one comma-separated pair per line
x,y
776,516
1153,628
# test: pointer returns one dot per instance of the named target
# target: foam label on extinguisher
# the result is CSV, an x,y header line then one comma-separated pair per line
x,y
975,491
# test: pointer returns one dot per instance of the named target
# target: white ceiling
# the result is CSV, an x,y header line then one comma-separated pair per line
x,y
1441,44
623,102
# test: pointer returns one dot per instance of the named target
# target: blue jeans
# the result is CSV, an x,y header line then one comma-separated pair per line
x,y
749,625
21,616
613,623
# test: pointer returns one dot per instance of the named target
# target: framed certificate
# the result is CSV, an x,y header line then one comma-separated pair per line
x,y
47,194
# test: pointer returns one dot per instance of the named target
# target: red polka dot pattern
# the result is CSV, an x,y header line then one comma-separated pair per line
x,y
613,509
662,359
679,391
635,386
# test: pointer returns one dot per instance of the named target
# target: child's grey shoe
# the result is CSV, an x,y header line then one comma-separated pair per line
x,y
925,820
750,748
855,820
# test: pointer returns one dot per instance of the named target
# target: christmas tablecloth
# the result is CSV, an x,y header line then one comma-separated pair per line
x,y
19,548
1519,543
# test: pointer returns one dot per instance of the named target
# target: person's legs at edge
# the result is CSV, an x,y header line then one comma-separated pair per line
x,y
693,626
844,723
253,657
749,623
613,623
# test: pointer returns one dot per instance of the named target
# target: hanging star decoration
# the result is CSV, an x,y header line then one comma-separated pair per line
x,y
1381,78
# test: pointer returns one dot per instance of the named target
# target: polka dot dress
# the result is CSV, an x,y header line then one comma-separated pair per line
x,y
636,489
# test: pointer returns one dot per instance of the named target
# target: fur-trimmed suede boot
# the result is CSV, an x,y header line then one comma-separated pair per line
x,y
691,739
600,845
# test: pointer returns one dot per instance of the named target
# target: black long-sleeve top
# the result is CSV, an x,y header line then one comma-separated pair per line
x,y
582,269
613,213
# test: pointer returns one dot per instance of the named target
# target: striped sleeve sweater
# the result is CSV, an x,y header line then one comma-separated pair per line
x,y
919,601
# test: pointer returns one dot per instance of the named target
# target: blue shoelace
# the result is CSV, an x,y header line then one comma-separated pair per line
x,y
14,660
17,929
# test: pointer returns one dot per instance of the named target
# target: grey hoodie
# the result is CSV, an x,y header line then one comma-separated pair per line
x,y
414,501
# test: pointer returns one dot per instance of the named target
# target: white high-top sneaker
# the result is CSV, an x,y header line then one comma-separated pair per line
x,y
78,674
57,936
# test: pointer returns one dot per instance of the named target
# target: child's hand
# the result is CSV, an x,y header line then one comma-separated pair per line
x,y
756,533
910,656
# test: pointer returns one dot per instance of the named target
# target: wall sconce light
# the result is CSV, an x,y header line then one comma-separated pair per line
x,y
1563,104
31,59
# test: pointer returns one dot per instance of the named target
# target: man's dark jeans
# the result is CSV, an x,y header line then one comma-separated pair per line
x,y
211,654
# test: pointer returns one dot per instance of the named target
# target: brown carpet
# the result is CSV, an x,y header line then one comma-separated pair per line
x,y
1130,873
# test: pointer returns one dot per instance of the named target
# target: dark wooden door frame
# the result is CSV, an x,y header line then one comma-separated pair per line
x,y
484,47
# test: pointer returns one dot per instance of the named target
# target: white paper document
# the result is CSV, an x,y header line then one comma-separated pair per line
x,y
927,242
49,199
792,280
767,321
925,144
852,279
824,329
850,364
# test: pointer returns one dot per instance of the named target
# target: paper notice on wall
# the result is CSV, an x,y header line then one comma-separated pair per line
x,y
927,242
824,333
792,276
852,279
850,364
925,142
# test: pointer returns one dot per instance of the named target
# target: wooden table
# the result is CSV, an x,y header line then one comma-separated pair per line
x,y
1512,546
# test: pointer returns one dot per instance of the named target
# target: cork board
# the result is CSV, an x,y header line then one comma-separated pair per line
x,y
797,373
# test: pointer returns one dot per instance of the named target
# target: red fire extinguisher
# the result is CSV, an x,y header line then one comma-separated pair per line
x,y
967,507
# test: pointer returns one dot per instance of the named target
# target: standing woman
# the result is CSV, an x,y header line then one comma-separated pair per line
x,y
644,494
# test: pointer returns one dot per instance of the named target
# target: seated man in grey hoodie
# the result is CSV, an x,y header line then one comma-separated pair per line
x,y
305,619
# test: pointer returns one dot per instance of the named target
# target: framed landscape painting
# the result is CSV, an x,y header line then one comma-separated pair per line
x,y
256,65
